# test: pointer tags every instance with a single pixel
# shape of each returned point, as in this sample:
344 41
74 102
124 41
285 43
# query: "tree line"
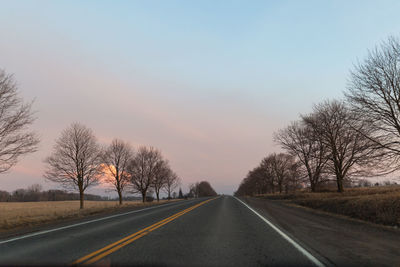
201 189
340 140
79 162
35 193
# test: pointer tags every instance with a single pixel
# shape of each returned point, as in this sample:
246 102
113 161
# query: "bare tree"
281 165
142 169
374 94
294 177
194 189
267 168
76 160
205 189
339 129
165 179
116 158
15 117
171 183
161 173
302 141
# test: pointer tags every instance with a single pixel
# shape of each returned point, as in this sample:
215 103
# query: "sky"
206 82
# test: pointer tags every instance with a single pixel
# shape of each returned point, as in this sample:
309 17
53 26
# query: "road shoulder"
342 241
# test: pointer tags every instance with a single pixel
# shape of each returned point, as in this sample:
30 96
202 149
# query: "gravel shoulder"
342 241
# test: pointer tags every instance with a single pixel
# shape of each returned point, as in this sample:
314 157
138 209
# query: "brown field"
375 204
15 215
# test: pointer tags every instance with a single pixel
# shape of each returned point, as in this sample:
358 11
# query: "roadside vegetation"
379 204
342 143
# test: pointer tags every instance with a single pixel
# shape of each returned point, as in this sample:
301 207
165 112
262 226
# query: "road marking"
83 223
107 250
291 241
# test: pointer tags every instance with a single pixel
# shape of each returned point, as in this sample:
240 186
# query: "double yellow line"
107 250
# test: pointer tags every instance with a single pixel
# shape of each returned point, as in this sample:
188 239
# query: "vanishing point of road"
221 231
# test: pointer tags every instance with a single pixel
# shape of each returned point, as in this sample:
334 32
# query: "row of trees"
342 139
275 173
35 193
201 189
79 162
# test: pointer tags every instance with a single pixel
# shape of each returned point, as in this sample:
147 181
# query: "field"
25 214
375 204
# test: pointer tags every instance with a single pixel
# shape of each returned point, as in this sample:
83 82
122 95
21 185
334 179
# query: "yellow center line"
120 241
101 253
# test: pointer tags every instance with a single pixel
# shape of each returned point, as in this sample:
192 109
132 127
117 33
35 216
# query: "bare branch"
15 118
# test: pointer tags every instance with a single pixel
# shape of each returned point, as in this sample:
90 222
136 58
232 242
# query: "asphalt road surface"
220 231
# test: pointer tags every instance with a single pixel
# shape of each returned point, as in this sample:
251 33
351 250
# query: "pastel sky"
207 82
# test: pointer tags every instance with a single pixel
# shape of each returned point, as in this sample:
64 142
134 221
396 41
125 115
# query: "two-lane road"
202 232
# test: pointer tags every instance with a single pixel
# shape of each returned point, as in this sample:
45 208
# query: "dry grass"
375 204
25 214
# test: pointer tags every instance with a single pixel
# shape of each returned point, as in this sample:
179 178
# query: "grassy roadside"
379 205
15 215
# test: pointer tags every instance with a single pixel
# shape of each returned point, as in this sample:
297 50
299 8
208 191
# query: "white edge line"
291 241
82 223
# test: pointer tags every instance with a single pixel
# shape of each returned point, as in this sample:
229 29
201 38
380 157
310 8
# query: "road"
220 231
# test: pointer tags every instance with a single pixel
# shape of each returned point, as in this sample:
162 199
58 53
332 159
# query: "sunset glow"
206 83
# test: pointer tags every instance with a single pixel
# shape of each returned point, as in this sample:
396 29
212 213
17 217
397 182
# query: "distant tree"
267 173
194 189
33 192
35 188
294 177
19 195
174 194
364 183
116 158
259 180
161 176
4 196
75 162
171 183
180 195
374 94
387 182
142 169
15 118
205 189
281 167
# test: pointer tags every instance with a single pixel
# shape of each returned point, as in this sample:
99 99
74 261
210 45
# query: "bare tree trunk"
339 181
144 196
120 196
158 196
81 198
313 187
